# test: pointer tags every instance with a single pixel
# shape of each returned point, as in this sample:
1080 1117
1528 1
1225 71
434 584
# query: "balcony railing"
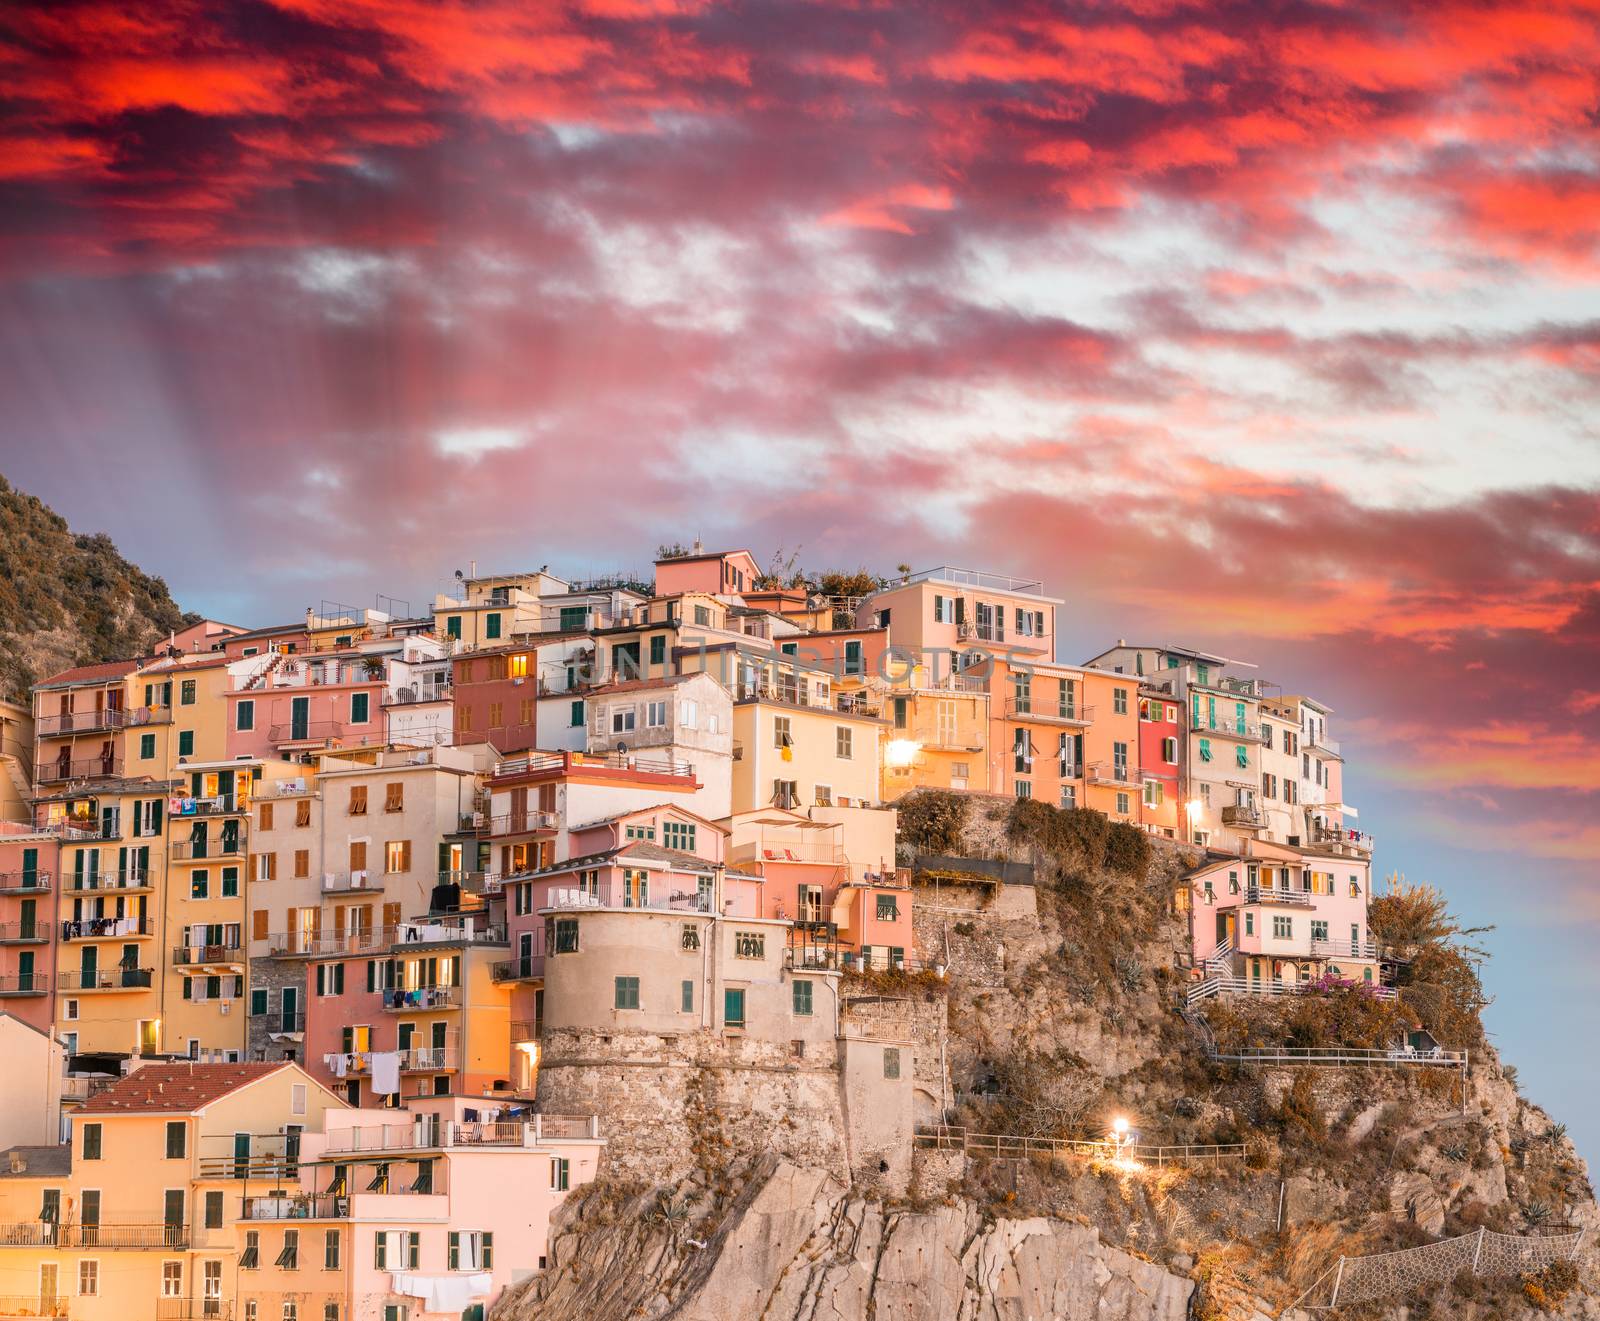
310 731
617 895
196 850
24 983
430 1059
189 955
296 1206
430 1133
1357 840
104 928
219 805
86 768
24 1307
1244 816
1105 772
24 933
1344 949
1226 728
362 940
25 882
522 823
1048 711
1267 894
528 763
527 968
45 1234
81 722
194 1309
104 979
89 829
342 882
415 936
423 997
134 878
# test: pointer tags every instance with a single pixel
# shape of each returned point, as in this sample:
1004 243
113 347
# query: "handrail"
1006 1146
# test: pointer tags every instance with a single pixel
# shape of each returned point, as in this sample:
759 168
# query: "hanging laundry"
386 1072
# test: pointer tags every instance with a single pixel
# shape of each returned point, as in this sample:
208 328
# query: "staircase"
259 678
1220 961
19 776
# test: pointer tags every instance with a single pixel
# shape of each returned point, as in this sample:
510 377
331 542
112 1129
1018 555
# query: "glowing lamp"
901 752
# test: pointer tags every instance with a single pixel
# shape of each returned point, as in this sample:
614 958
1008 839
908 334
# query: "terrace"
104 979
86 768
24 983
24 882
1055 713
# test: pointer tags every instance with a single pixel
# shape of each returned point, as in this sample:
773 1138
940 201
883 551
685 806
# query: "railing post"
1337 1280
1477 1251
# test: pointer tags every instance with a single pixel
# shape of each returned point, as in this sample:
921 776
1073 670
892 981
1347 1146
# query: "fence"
1339 1055
999 1146
1352 1280
1210 986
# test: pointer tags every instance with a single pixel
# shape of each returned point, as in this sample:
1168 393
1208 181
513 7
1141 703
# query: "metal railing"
194 1309
1106 772
104 979
523 969
86 830
565 761
618 895
25 882
187 955
197 850
1336 1055
135 878
362 940
1268 894
1359 840
46 1234
522 823
308 731
15 1307
994 582
218 805
104 928
24 983
1210 986
24 933
398 1000
87 768
1226 728
81 722
1005 1146
1051 712
1344 949
1242 814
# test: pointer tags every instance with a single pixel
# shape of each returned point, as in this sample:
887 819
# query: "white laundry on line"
386 1072
444 1293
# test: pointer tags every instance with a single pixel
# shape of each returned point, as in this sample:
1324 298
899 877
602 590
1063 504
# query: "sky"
1268 328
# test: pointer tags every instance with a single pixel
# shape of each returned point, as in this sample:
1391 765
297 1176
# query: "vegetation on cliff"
68 598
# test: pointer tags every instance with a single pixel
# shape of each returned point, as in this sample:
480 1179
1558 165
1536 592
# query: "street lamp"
1119 1136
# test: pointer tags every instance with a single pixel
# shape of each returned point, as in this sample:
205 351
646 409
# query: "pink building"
28 887
1161 809
280 704
416 1202
1277 915
721 573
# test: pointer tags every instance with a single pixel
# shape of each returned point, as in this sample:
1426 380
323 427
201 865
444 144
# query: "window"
266 866
853 662
655 715
1069 795
1152 793
330 1311
186 742
469 1250
330 1250
88 1278
843 742
291 1310
1242 756
1024 789
213 1210
686 988
1205 749
802 999
749 944
1021 751
394 797
397 856
358 800
172 1279
902 707
360 708
733 1007
678 835
1319 931
1119 701
622 719
887 909
330 979
302 812
823 793
781 736
289 1258
560 1173
1249 922
1282 927
943 611
250 1258
627 993
187 692
1122 804
147 746
1169 751
566 936
1119 761
491 625
177 1139
92 1149
891 1061
258 1001
575 717
785 793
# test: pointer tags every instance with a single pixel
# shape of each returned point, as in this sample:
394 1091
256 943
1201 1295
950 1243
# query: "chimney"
19 1163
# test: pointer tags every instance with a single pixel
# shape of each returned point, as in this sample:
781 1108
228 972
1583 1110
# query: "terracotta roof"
89 673
176 1088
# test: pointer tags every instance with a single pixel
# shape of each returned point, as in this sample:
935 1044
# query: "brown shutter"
358 855
316 921
391 916
258 924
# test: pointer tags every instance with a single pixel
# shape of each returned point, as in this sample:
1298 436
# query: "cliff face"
797 1245
68 599
1058 1011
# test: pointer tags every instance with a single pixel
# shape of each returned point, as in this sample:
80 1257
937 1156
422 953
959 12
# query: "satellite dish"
622 747
458 573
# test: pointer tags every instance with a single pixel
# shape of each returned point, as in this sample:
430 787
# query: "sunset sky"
1272 329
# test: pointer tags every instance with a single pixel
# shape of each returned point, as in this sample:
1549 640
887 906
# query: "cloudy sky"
1266 327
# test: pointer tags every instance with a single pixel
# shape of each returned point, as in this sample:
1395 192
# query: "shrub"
934 820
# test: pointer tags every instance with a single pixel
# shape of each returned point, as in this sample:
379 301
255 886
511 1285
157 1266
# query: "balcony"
29 1307
346 882
25 882
193 1309
401 1203
413 937
430 1059
219 805
1348 842
1110 773
1244 817
107 979
1257 894
309 731
209 850
88 830
44 1234
1049 712
81 722
104 928
86 768
1247 729
188 956
399 1001
535 762
618 896
528 968
269 1156
1344 949
107 882
523 823
23 983
309 944
428 1134
24 933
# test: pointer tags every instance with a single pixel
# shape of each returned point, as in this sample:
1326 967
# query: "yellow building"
136 1216
793 749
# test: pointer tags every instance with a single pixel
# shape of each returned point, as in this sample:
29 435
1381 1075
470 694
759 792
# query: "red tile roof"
90 673
176 1088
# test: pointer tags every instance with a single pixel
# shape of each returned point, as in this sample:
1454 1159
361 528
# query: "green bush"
934 820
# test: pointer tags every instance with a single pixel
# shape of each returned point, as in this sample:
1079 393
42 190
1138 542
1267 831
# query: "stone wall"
274 974
670 1103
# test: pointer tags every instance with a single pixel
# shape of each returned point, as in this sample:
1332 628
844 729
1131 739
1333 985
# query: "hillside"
1057 1009
67 598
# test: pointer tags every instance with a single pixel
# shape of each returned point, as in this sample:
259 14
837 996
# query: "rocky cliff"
1059 1007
